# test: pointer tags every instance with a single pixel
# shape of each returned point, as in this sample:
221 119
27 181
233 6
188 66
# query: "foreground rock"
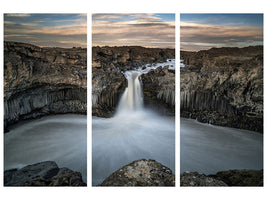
108 82
40 81
242 177
224 86
196 179
43 174
141 173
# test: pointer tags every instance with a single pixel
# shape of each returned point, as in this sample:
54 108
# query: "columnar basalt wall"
40 81
224 87
159 90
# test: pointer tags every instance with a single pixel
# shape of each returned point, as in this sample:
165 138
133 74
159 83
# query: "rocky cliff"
224 86
40 81
159 90
108 83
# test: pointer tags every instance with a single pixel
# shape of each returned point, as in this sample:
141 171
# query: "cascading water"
133 133
132 98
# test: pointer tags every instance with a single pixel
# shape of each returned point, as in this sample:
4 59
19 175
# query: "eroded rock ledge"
141 173
108 83
43 174
40 81
224 86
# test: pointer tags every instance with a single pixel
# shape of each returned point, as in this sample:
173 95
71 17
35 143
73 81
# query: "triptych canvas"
129 106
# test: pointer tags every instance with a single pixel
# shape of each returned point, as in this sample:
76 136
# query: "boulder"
243 177
42 174
141 173
196 179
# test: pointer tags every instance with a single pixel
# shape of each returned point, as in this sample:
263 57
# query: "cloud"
50 29
136 16
207 36
132 29
18 15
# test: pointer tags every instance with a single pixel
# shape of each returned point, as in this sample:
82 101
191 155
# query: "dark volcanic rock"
243 177
224 87
43 174
127 57
159 90
40 81
107 86
141 173
108 82
196 179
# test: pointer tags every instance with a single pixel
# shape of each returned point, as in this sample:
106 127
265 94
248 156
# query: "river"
59 138
208 149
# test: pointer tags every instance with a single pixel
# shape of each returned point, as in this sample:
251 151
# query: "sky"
204 31
147 30
47 30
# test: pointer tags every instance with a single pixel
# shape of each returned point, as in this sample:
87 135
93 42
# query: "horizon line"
220 48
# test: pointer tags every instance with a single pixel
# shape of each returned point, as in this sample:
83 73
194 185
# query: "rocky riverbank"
223 178
40 81
43 174
223 86
108 83
141 173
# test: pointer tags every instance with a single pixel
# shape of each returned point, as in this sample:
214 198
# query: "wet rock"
196 179
224 86
42 174
141 173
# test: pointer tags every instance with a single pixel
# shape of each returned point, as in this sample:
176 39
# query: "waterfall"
132 98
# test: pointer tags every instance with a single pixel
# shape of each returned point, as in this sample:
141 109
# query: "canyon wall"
108 82
40 81
223 86
159 90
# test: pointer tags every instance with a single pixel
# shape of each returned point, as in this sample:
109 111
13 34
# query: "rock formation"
196 179
141 173
159 90
224 86
241 177
40 81
42 174
244 177
108 83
